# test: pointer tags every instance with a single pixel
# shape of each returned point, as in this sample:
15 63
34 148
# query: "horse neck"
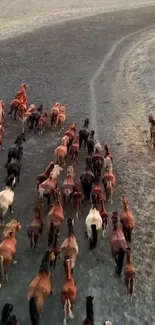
128 257
125 206
39 213
68 271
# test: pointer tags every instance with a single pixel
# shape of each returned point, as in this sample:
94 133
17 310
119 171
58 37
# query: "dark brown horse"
87 178
84 134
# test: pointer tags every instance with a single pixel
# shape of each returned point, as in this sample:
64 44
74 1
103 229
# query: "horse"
48 187
33 119
70 133
78 197
14 150
44 176
109 181
104 216
8 249
5 314
36 227
1 136
129 274
107 164
54 111
68 293
91 143
84 134
14 107
60 152
69 248
152 122
97 190
61 118
89 320
14 167
13 320
25 119
87 178
97 161
127 219
42 122
74 149
40 288
118 245
7 197
55 217
93 223
68 185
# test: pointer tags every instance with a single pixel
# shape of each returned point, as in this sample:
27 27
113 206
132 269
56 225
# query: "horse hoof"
14 262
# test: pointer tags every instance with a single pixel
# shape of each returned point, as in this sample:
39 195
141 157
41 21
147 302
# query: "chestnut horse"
48 187
36 227
89 311
78 197
55 217
54 111
127 219
40 288
60 152
118 245
68 293
69 248
97 190
61 118
74 149
68 185
70 133
129 274
108 181
44 176
8 249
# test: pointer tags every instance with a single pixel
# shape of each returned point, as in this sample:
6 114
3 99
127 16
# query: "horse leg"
15 113
10 208
6 277
85 143
80 142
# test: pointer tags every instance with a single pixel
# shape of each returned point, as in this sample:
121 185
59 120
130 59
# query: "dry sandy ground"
89 65
17 16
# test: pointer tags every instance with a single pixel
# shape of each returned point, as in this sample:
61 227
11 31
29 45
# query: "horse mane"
9 228
45 263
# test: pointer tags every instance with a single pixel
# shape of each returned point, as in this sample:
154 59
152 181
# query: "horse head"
86 122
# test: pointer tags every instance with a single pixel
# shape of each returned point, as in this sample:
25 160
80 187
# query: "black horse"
87 178
91 143
5 314
33 119
14 150
89 320
84 134
14 167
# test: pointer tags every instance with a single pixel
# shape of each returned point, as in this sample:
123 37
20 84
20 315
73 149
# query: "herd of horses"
95 187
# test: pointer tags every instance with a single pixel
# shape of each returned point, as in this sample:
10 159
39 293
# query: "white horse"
108 164
6 198
97 146
107 323
93 223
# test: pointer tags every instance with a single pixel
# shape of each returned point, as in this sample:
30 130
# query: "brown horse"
109 181
68 185
78 197
55 217
68 293
54 111
42 123
118 245
97 190
104 216
61 118
44 176
36 227
71 133
8 249
74 149
60 152
89 320
48 187
40 288
129 274
127 219
69 248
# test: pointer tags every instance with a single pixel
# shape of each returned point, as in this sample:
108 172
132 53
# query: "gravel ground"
87 65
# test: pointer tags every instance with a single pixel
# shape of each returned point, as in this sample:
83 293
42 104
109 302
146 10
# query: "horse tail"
120 260
2 276
51 234
93 241
41 192
33 311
